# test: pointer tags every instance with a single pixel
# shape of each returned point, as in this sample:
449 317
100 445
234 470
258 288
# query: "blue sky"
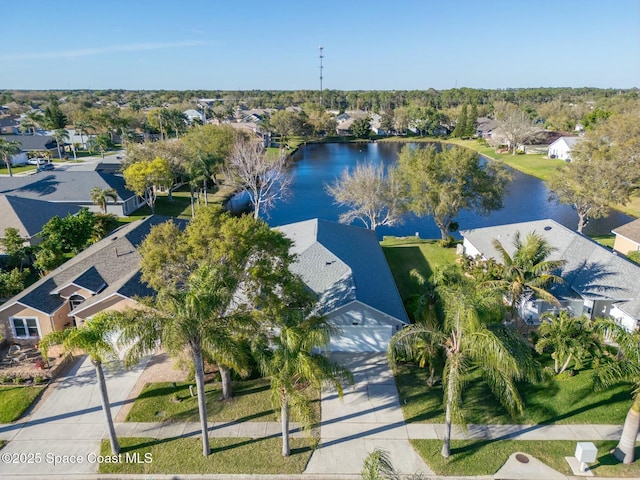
368 45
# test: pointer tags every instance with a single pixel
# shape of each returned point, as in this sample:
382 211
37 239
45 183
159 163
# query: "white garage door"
361 339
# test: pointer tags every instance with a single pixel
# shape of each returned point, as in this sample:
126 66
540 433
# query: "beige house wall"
61 318
17 310
624 245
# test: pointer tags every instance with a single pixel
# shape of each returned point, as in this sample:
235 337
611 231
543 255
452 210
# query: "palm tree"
291 364
527 272
189 318
36 119
570 338
60 136
100 197
470 344
8 150
83 127
623 365
102 143
26 125
94 339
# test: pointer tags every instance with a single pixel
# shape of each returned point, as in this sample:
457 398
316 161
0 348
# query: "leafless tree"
514 127
371 195
263 177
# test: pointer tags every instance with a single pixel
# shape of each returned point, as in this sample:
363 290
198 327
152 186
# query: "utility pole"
321 57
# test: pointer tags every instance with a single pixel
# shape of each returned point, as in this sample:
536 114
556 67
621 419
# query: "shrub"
5 379
19 380
39 380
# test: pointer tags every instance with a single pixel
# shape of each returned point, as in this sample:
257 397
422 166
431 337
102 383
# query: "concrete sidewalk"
517 432
216 429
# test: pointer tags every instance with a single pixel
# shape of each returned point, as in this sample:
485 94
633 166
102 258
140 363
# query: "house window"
25 327
75 300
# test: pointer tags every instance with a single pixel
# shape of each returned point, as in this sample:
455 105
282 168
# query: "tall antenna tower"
321 57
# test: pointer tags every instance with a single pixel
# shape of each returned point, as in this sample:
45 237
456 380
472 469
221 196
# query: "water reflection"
316 165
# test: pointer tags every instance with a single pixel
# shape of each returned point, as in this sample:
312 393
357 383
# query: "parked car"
36 161
46 166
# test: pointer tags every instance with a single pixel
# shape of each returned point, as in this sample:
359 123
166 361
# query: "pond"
316 165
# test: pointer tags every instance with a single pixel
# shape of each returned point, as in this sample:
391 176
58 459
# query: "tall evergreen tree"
472 120
461 123
54 118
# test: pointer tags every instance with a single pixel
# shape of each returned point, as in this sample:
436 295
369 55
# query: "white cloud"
87 52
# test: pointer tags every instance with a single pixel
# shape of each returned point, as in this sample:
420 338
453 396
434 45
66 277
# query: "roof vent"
547 228
330 263
114 238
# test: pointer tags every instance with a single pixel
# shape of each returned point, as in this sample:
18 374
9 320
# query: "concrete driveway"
367 417
64 434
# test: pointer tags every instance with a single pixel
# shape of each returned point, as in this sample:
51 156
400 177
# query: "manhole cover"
522 458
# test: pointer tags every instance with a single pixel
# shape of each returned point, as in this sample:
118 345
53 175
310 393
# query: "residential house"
627 237
193 114
106 276
208 102
597 281
562 148
28 216
254 130
85 140
43 145
9 126
485 127
346 119
72 188
344 266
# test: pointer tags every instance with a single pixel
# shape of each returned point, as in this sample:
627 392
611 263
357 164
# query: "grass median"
248 456
162 402
558 400
473 457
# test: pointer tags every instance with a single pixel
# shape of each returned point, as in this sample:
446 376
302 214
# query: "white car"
37 161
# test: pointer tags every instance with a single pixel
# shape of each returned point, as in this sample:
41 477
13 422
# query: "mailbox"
586 452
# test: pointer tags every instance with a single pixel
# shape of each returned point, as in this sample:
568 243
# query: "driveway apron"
367 417
63 436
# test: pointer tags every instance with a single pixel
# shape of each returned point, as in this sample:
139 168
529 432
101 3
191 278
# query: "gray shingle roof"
113 260
32 142
591 270
342 263
90 280
28 215
63 186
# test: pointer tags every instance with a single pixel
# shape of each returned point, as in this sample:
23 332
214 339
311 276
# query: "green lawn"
180 205
15 168
567 400
2 444
605 240
160 402
537 165
228 456
404 255
14 401
472 457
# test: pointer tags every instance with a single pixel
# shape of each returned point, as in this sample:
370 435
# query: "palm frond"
377 466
